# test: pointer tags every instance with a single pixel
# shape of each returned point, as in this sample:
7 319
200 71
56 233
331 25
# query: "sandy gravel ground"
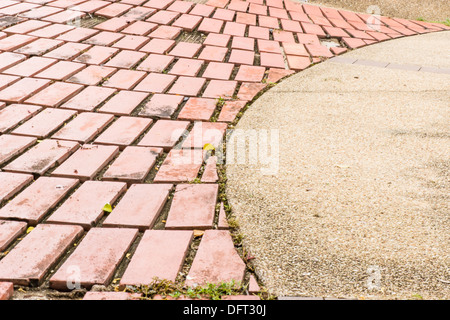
434 10
359 207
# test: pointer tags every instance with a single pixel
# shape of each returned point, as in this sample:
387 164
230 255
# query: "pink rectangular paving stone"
124 131
133 164
30 66
166 32
84 127
220 89
164 134
15 41
140 207
92 75
230 110
186 67
161 106
86 162
22 89
198 109
160 46
180 165
61 70
156 83
11 146
205 133
67 51
216 260
113 10
97 257
38 199
140 28
9 231
39 47
131 42
89 98
218 70
42 157
11 184
26 26
96 55
124 79
14 114
160 254
55 94
155 63
9 59
126 59
85 206
65 16
124 102
5 81
193 207
33 257
44 123
187 86
77 34
51 31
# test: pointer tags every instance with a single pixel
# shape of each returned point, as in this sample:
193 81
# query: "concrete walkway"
359 206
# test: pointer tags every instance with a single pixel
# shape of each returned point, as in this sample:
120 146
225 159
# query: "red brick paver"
137 209
193 207
33 257
208 266
160 254
85 206
95 258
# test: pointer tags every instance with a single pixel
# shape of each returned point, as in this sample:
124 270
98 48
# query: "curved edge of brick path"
275 209
303 26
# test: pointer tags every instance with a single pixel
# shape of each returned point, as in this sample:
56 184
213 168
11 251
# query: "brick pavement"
95 114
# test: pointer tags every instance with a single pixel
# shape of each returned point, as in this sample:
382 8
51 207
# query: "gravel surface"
359 207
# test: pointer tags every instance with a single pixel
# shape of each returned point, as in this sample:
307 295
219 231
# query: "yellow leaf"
198 233
208 147
107 208
30 229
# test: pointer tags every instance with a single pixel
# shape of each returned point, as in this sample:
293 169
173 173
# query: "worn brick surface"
84 127
193 207
164 134
86 162
44 123
133 164
12 145
43 156
14 114
136 209
85 206
12 183
89 98
180 165
38 199
216 260
160 254
96 258
6 290
33 257
123 103
124 131
10 230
